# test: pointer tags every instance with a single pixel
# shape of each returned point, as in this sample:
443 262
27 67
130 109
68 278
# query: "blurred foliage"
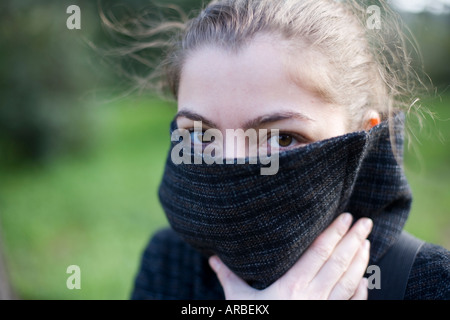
48 74
43 73
432 33
95 210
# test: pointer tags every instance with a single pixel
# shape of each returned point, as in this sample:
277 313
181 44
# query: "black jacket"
172 270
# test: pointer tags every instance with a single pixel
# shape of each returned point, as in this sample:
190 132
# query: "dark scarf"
260 225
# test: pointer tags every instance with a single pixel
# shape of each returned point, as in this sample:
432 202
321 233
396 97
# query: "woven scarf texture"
260 225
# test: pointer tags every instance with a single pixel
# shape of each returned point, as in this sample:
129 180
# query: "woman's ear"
371 119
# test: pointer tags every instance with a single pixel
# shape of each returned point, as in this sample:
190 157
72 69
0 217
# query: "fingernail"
346 218
368 223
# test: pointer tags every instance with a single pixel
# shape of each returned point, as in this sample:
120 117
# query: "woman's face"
253 89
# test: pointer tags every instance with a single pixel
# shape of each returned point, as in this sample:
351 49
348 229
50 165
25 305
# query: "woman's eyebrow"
254 123
196 117
273 117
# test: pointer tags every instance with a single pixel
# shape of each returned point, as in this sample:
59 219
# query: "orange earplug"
374 122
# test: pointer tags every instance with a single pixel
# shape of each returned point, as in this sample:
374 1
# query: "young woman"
334 89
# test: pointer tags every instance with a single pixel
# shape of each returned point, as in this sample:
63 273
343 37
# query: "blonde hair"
345 63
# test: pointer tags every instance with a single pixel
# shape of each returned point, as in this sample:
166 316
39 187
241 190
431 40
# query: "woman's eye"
197 137
282 141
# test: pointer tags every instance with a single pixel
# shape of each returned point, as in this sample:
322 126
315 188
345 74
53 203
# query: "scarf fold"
260 225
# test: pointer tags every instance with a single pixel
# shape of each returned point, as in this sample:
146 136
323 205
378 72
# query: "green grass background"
99 209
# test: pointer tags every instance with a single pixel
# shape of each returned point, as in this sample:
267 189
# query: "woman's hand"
332 268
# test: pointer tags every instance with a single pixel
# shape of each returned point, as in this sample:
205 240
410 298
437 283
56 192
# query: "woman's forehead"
232 89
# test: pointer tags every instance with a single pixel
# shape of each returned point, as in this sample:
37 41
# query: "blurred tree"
432 32
40 82
46 71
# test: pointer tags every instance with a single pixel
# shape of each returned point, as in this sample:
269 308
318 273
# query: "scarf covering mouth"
260 225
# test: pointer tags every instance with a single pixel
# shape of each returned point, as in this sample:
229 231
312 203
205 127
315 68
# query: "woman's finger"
343 255
233 286
306 268
362 293
350 281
